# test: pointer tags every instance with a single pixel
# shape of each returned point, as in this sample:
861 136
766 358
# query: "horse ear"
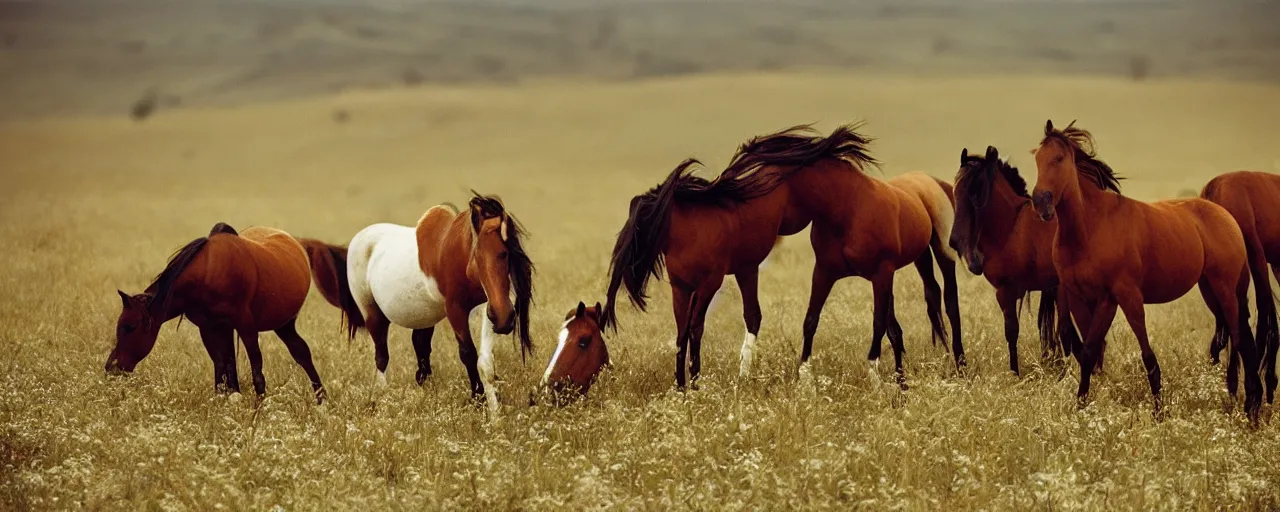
992 153
124 298
1048 127
964 155
582 310
475 215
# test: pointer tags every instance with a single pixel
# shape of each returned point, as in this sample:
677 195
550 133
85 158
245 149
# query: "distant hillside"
68 58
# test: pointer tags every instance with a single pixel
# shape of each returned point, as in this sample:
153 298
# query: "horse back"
261 276
1253 199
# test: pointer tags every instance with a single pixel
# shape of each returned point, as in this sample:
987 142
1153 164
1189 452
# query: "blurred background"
70 57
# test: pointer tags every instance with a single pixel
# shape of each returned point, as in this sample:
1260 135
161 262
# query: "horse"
1253 199
580 354
1005 242
225 283
702 230
1113 251
449 264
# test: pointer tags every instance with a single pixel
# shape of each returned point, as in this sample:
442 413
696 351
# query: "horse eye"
502 255
126 329
584 341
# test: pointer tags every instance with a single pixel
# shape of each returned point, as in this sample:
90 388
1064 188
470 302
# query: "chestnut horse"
1253 199
580 354
1112 251
1003 240
227 283
414 277
776 185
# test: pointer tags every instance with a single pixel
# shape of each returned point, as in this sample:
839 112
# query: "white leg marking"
806 375
382 379
748 349
485 363
564 337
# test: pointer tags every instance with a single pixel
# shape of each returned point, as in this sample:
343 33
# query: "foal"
227 283
580 354
1005 241
1111 251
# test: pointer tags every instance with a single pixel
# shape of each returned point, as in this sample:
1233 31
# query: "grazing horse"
414 277
1112 251
227 283
1253 199
776 185
1004 241
580 354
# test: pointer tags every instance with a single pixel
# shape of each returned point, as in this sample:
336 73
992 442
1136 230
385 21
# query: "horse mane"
797 147
988 166
1081 142
519 267
161 287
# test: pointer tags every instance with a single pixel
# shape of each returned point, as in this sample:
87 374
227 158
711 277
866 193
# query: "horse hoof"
422 377
321 394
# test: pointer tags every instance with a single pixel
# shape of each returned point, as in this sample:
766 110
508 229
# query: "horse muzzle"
502 326
1044 205
113 368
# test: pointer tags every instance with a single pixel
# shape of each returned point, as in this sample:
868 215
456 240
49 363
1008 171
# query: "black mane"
1081 142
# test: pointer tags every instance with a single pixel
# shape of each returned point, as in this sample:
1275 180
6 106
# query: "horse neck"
178 300
999 217
827 186
1077 211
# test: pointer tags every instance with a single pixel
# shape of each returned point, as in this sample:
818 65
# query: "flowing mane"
519 266
1081 142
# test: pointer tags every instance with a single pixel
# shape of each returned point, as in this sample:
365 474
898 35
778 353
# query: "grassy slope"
93 204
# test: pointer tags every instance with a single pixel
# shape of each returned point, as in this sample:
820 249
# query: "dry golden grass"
94 204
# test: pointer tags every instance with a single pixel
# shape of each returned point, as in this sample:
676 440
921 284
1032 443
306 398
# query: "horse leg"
882 291
682 305
1067 333
485 363
251 349
422 347
377 324
1270 340
1050 346
1221 335
1104 312
696 325
951 296
459 320
302 355
895 340
1235 309
1007 298
932 297
818 293
1130 301
215 345
748 284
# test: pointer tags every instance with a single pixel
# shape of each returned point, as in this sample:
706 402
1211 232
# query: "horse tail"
1046 319
329 270
637 254
941 204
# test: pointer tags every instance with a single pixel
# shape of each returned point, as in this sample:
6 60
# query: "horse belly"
405 295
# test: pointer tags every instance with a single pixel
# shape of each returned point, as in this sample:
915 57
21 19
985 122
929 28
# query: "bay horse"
1112 251
1253 199
1004 241
581 352
226 283
449 264
776 185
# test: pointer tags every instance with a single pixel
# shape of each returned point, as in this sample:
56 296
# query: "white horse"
447 266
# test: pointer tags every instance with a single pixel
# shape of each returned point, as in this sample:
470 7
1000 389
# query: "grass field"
92 204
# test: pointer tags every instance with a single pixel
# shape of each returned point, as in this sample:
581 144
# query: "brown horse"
1003 240
1112 251
449 264
776 185
581 353
1253 199
226 283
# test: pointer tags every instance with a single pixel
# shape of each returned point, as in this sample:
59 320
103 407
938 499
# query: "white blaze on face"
564 338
